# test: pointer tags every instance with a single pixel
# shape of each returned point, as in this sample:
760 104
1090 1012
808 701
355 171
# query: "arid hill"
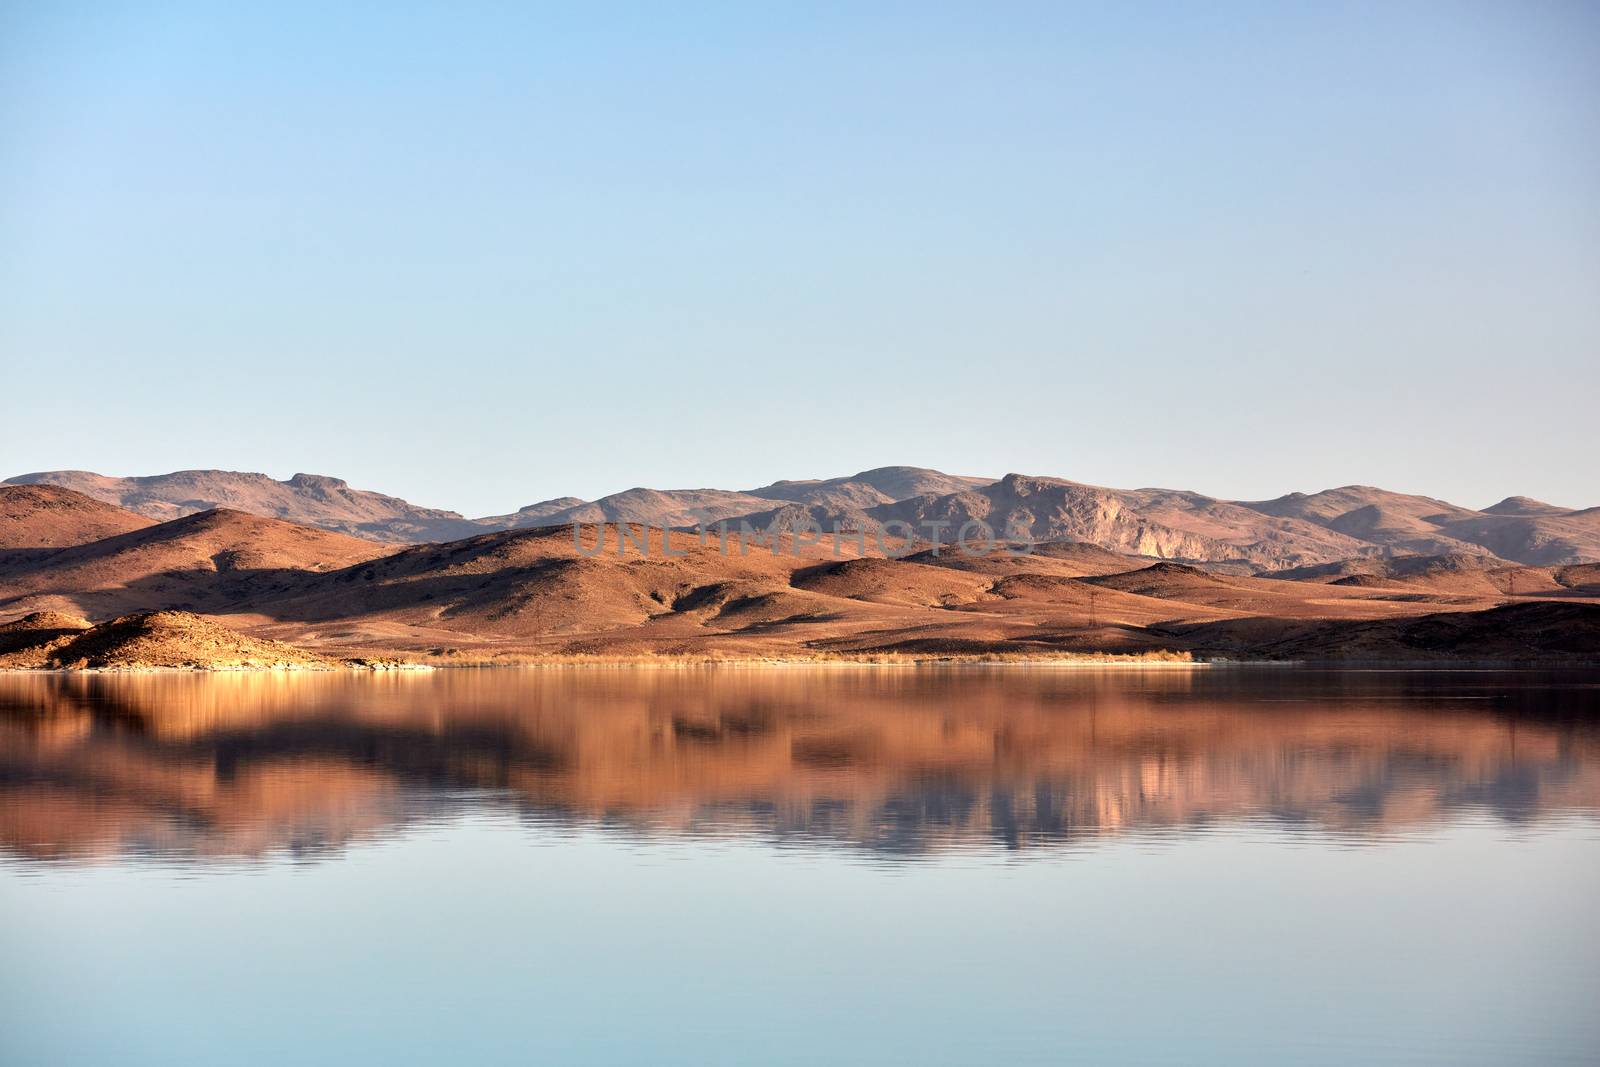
1468 575
29 641
208 561
1524 505
537 592
540 586
1191 585
1145 572
689 507
1517 529
1062 559
533 514
881 485
1149 522
309 499
1399 568
654 507
50 517
677 508
890 581
1523 632
1296 530
164 639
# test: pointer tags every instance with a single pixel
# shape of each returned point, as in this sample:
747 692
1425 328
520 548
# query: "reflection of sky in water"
739 867
476 939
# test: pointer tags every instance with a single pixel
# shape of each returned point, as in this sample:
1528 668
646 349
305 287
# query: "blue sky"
482 254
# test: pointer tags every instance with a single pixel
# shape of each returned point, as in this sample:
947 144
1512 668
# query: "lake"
963 865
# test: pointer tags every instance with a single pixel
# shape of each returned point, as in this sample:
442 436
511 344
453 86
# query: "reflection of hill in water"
897 761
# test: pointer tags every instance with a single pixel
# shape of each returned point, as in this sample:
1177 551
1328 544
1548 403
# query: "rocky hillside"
1292 531
157 640
1517 528
308 499
1149 522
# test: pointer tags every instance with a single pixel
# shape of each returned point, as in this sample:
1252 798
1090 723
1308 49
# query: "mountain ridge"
1293 530
556 590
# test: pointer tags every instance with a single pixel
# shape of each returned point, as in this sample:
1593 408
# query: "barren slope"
1517 529
50 517
1533 631
1289 531
1159 523
537 591
311 499
165 639
660 508
881 485
206 560
1456 574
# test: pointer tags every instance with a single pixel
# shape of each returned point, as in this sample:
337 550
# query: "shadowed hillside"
156 640
209 560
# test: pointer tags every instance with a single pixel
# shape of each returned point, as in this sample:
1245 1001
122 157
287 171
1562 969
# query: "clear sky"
481 254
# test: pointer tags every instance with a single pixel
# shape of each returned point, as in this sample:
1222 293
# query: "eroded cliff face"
1047 509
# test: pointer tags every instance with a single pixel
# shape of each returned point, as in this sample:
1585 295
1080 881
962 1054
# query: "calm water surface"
959 865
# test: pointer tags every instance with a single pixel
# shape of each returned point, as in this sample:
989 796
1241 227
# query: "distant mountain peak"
308 499
1525 505
317 481
1297 529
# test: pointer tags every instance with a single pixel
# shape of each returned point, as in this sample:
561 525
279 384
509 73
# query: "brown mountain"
310 499
162 639
50 517
881 485
1391 568
537 592
1456 574
1512 632
1167 524
1291 531
678 508
1573 537
538 585
1295 530
1517 528
1524 505
208 560
533 514
661 508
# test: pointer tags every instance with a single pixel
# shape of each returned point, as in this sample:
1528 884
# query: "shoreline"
759 663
